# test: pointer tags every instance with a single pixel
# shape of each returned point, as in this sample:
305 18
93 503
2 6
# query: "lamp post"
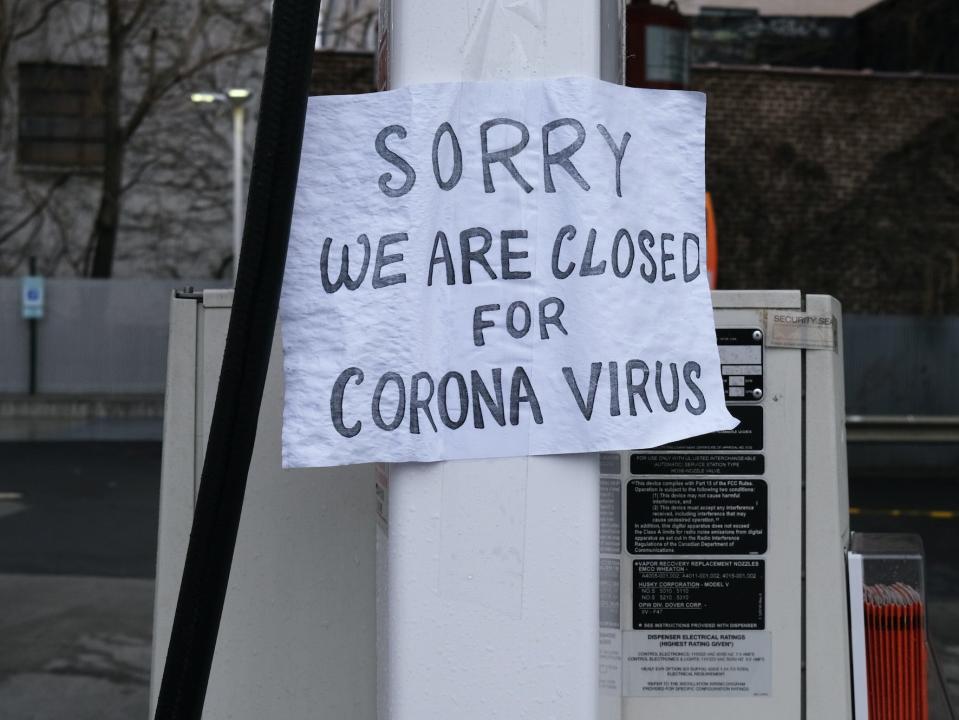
237 98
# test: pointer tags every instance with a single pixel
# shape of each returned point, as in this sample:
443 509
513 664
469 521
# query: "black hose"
276 159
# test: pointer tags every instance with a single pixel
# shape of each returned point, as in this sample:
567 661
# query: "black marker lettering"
477 256
400 402
416 404
506 255
674 373
394 159
382 260
464 407
440 242
336 402
618 152
344 276
632 389
585 406
521 390
496 407
562 157
566 232
503 156
457 172
689 369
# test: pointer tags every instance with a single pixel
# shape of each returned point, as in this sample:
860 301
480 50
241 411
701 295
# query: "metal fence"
110 337
96 336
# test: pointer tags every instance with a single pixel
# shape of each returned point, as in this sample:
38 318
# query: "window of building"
61 115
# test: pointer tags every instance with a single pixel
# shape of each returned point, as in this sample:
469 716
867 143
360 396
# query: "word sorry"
488 158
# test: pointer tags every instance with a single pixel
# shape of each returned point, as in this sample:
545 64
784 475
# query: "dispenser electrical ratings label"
719 663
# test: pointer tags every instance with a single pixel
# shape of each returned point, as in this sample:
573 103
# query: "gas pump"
702 578
722 577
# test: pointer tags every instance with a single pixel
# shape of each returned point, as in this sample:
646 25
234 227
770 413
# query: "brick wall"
342 73
842 183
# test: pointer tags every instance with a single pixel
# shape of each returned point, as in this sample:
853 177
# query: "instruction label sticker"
699 594
610 662
610 515
700 664
807 331
741 362
696 516
697 464
748 435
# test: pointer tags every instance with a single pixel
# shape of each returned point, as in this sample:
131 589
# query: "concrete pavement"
78 523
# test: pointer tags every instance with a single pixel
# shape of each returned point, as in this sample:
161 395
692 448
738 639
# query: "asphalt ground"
78 526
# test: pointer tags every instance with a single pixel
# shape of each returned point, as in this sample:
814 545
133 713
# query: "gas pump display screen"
696 516
699 594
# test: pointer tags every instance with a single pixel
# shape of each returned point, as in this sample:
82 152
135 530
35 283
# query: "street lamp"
237 98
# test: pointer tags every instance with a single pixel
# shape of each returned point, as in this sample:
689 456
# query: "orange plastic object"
712 244
896 673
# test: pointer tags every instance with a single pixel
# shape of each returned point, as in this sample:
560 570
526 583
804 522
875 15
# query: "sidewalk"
81 417
75 647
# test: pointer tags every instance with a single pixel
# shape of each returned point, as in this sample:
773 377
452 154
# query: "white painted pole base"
489 578
492 590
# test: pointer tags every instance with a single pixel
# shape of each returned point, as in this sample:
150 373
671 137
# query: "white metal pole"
238 111
489 578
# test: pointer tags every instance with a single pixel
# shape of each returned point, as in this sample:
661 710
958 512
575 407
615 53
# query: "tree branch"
36 210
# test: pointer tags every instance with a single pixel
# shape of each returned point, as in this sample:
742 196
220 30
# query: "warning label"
697 464
696 516
703 664
610 662
748 435
699 594
610 514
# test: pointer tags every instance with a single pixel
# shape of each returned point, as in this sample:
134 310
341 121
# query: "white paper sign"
498 269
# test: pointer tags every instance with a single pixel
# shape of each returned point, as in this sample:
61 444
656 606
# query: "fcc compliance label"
696 516
699 594
697 664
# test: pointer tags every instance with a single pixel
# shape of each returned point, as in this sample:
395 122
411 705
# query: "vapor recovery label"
699 594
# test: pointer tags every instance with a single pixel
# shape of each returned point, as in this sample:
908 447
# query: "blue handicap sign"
32 297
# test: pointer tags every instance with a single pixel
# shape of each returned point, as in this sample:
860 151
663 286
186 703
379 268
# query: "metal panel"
782 408
828 680
176 472
297 637
782 299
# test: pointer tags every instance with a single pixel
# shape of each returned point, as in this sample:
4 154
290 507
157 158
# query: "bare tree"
153 54
186 56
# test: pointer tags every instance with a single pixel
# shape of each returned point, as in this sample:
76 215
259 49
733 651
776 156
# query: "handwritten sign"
498 269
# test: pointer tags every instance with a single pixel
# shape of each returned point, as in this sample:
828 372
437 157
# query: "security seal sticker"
807 331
